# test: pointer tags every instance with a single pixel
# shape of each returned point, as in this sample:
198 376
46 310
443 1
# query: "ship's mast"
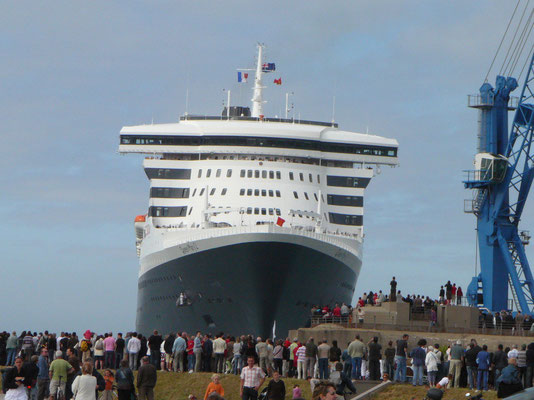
257 98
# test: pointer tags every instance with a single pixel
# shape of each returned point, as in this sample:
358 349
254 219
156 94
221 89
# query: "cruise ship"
251 220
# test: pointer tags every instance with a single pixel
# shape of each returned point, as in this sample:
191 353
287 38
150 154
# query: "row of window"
299 144
166 192
347 181
341 200
345 219
257 192
154 211
264 174
167 173
263 211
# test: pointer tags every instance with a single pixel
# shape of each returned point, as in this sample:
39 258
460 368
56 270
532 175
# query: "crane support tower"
501 180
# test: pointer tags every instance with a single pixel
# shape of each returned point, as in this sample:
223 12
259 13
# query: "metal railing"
477 101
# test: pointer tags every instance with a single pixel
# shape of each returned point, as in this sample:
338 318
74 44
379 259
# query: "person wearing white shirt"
219 346
134 345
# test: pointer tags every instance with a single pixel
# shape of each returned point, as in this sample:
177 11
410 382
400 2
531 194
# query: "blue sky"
73 73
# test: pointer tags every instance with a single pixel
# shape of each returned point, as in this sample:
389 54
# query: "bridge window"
161 173
340 200
345 219
167 211
347 181
165 192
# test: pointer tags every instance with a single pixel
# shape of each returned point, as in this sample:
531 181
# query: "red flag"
280 221
278 81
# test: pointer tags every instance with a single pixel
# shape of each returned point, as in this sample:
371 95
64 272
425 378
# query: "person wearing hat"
455 368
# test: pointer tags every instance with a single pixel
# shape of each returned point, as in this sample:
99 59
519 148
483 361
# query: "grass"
408 392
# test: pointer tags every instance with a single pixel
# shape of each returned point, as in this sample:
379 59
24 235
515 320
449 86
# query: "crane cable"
520 45
502 40
507 59
527 62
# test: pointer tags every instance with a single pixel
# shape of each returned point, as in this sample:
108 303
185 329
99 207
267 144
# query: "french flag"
242 77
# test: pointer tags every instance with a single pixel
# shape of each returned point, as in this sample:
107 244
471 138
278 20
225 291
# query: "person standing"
109 347
125 381
375 355
311 356
11 348
393 290
471 365
278 356
43 380
418 356
154 344
167 346
530 365
147 377
522 362
58 371
178 349
459 294
134 345
119 350
389 354
500 360
276 390
322 353
455 366
483 363
219 347
400 359
448 292
432 361
300 356
252 377
197 351
356 351
84 386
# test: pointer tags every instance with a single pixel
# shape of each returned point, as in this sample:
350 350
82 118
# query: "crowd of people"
48 363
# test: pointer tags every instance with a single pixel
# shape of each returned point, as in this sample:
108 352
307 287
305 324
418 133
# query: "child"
214 386
109 379
297 393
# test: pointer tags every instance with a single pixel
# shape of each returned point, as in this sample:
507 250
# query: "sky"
73 73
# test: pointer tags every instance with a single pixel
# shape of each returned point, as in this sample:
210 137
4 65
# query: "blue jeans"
11 353
356 367
417 375
191 359
347 367
390 369
471 376
236 368
482 381
400 371
109 359
323 368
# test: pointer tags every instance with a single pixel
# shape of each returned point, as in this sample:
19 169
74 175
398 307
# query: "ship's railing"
190 235
238 118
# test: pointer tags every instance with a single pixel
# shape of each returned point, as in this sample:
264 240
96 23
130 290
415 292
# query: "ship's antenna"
333 109
187 101
257 98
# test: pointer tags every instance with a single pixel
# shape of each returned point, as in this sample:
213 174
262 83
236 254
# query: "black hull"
241 289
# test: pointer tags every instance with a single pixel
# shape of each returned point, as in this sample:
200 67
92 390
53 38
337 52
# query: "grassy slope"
407 392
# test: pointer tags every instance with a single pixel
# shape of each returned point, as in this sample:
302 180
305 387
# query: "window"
167 211
345 219
256 174
212 192
271 211
296 195
218 174
322 197
256 192
315 195
201 192
306 195
242 192
264 174
340 200
310 176
256 211
278 193
161 173
229 173
301 176
223 192
194 191
208 174
278 212
271 193
242 174
249 192
200 173
278 175
347 181
249 173
291 176
264 193
164 192
191 209
249 210
263 211
271 174
318 178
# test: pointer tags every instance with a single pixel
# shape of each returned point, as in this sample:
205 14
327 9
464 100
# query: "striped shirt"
301 353
252 376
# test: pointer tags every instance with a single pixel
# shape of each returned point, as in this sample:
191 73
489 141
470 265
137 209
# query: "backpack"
84 346
99 345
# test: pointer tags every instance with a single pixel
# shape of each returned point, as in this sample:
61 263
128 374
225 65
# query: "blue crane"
501 180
